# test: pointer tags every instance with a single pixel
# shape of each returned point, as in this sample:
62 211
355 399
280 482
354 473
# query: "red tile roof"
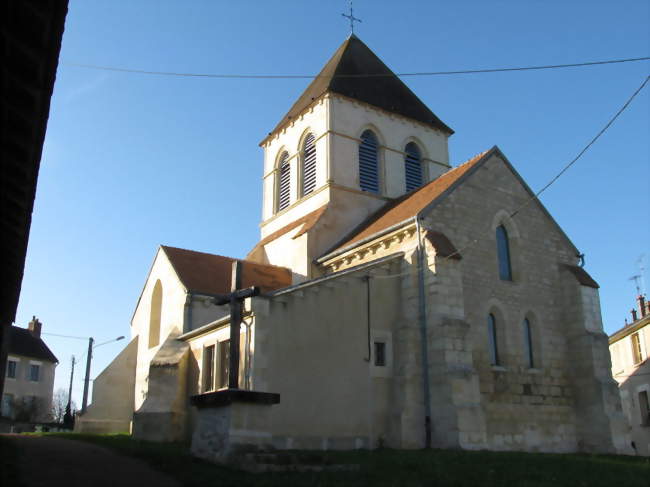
208 273
307 222
582 276
407 206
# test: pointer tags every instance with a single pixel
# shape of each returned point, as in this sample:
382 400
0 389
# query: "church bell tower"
356 139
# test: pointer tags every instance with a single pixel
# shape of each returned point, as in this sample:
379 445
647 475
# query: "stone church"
393 300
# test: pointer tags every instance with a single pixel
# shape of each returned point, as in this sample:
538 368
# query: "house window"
12 368
309 165
528 344
413 166
34 372
7 405
380 354
492 340
503 252
644 408
284 187
224 364
636 349
208 368
368 163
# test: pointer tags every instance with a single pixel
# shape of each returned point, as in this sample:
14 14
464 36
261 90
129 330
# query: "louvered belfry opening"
284 188
309 165
368 163
413 166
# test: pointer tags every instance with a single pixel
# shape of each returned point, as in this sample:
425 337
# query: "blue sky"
132 161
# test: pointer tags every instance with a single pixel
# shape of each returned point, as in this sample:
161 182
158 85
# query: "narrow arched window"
528 344
368 163
492 340
284 186
413 166
503 252
154 315
309 165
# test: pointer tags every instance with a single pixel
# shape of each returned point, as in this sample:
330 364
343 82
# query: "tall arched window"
503 252
284 186
413 166
368 163
309 165
528 344
154 316
492 340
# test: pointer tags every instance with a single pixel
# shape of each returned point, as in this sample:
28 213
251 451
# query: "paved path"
48 461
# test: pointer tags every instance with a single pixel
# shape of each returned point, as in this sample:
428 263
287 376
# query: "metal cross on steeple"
352 18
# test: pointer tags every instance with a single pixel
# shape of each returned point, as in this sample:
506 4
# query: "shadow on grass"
397 467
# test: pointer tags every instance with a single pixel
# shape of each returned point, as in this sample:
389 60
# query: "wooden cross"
352 18
236 301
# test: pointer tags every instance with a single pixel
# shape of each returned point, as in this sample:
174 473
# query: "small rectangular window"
12 365
34 372
208 368
380 354
636 348
224 363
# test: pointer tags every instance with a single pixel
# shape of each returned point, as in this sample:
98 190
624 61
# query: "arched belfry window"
528 344
503 253
413 166
284 186
492 339
155 313
368 163
309 165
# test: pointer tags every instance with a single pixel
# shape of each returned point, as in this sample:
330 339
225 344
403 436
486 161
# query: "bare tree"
59 405
59 402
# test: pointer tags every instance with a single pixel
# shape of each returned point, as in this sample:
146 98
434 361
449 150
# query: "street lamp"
91 340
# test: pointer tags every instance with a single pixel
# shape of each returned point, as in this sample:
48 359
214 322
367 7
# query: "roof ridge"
221 256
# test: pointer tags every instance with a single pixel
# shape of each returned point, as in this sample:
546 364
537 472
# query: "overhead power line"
591 142
309 76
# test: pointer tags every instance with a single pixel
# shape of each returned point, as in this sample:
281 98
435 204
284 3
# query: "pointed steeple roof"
356 72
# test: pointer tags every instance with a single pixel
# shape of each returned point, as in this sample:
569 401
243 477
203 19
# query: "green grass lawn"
398 467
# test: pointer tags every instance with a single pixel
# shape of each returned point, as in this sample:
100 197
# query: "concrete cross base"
230 423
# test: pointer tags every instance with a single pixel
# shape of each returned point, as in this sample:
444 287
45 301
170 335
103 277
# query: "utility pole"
87 379
67 417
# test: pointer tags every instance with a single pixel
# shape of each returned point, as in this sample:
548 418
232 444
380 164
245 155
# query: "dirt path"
47 461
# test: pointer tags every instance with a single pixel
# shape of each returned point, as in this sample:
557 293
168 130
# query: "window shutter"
309 165
284 193
368 178
413 167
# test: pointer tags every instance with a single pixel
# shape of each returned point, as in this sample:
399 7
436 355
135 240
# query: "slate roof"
408 205
211 274
356 72
22 342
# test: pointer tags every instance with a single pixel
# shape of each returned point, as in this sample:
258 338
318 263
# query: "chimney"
35 327
641 305
634 317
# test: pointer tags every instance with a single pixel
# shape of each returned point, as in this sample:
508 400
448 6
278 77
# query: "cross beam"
352 18
236 301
